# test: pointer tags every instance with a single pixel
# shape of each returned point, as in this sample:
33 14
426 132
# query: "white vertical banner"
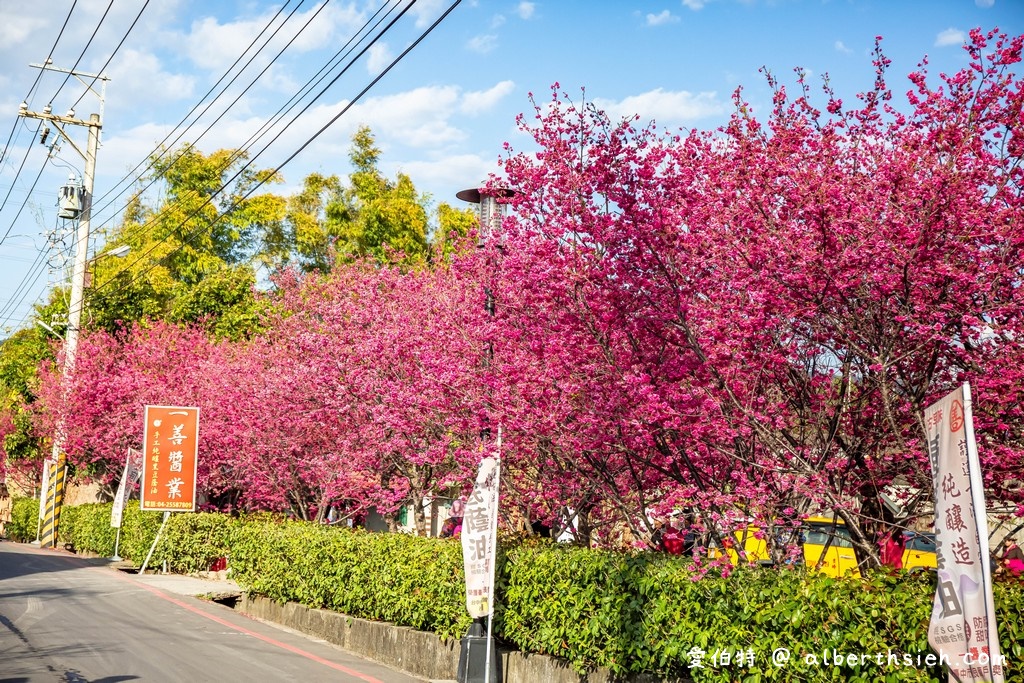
131 474
963 629
479 539
44 490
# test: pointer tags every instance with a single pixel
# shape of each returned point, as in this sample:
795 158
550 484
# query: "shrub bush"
648 612
24 520
416 582
86 528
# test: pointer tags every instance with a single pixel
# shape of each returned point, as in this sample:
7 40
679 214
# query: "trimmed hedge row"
629 612
189 543
24 519
646 612
410 581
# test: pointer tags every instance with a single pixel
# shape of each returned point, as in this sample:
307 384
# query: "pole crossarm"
56 120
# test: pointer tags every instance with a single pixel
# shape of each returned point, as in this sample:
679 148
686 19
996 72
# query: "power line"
35 83
284 109
103 68
316 135
21 167
148 160
84 50
37 267
31 278
25 282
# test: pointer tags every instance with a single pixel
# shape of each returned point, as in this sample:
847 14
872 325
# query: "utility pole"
55 492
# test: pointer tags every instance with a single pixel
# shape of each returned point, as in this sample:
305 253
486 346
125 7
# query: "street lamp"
477 660
118 252
491 211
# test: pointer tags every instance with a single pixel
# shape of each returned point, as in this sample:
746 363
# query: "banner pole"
167 515
117 546
494 562
980 518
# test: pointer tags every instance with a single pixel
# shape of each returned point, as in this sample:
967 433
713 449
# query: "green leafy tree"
379 217
307 235
452 226
224 303
192 253
20 356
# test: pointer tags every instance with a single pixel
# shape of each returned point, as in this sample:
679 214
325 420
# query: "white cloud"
211 44
481 101
324 29
380 57
665 17
15 29
140 75
456 172
482 44
694 4
665 106
417 118
426 11
525 10
984 3
840 47
951 36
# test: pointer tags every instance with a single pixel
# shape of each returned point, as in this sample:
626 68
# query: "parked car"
840 557
919 550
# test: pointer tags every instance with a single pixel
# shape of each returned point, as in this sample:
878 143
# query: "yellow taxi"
748 542
748 545
840 557
919 551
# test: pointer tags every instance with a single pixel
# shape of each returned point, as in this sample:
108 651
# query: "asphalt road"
68 619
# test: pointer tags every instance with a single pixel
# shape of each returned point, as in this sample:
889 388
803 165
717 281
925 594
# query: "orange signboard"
170 443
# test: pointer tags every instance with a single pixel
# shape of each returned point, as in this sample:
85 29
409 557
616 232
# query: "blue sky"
441 114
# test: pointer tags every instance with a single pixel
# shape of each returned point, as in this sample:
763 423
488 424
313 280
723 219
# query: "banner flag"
963 629
131 474
44 487
170 443
479 539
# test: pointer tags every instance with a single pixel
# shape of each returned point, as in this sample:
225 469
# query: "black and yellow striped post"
54 501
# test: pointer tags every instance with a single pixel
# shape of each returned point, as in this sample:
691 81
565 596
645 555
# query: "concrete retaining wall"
415 652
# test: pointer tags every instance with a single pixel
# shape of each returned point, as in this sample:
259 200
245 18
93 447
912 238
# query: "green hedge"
410 581
24 520
189 543
629 612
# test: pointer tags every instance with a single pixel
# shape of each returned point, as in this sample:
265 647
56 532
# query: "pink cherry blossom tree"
754 318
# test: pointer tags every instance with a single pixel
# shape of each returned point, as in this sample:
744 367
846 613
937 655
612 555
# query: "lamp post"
477 660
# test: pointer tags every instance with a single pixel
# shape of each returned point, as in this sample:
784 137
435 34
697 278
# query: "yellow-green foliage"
24 520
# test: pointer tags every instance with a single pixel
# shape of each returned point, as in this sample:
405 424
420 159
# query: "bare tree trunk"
418 517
